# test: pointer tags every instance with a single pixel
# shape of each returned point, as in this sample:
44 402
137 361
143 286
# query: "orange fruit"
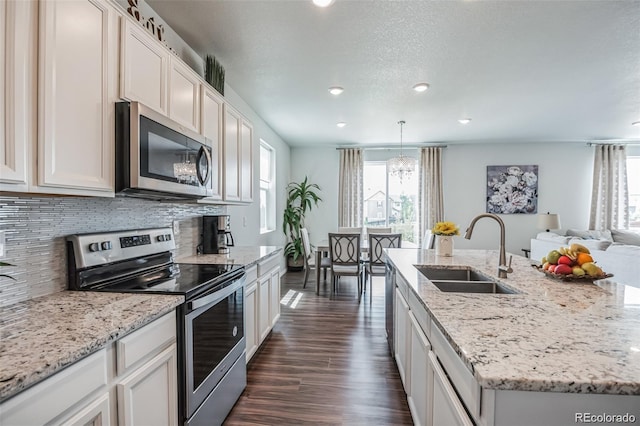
584 258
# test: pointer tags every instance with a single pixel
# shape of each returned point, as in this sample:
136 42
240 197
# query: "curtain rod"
387 147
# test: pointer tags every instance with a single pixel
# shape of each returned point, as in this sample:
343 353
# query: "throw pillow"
626 237
591 244
590 234
625 249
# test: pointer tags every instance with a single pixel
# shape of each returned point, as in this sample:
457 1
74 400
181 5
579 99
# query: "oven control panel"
101 248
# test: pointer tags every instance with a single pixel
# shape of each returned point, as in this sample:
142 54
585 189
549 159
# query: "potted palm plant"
302 196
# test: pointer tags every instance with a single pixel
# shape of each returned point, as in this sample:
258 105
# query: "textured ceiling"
522 70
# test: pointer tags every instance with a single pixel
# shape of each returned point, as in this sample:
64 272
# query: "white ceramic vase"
444 245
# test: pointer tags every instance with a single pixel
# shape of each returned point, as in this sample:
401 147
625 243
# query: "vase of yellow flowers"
444 232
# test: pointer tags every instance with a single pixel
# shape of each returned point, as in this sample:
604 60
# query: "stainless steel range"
211 342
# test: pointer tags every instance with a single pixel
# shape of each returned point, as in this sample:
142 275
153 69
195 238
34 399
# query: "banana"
579 248
562 250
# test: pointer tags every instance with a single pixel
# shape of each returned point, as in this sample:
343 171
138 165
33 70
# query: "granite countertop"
240 255
553 336
42 336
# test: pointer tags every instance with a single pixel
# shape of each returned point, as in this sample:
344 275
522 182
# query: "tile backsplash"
36 227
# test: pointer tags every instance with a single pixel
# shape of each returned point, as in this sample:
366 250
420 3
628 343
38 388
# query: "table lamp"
548 221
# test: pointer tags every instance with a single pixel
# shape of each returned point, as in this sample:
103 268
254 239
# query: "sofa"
616 251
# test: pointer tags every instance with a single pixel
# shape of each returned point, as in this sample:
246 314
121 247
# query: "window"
633 179
267 188
389 202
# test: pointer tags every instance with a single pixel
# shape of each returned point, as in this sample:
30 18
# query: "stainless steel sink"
463 281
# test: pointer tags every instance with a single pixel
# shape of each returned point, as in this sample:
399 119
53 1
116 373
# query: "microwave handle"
203 179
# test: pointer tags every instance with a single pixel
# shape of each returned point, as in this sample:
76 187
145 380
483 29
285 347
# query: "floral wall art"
512 189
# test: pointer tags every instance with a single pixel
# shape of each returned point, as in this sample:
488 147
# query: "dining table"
322 248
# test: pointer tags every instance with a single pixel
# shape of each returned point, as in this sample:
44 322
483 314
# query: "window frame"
266 189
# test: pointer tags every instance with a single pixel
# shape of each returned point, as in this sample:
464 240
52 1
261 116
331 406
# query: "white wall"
565 173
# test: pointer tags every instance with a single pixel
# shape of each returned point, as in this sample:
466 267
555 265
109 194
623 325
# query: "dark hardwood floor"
325 363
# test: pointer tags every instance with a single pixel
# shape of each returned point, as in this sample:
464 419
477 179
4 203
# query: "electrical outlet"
2 244
176 227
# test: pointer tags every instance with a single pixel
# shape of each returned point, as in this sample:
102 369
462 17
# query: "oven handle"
216 296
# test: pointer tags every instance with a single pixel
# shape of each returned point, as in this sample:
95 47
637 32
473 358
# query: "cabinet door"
447 408
17 68
250 325
419 394
184 96
95 413
149 395
402 338
143 68
274 296
246 162
77 71
264 323
211 121
232 128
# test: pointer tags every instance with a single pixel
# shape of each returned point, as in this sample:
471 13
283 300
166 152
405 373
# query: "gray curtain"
430 192
610 192
350 190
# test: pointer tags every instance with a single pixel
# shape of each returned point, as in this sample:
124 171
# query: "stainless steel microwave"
158 158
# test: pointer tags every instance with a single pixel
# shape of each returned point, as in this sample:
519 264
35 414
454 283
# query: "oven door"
214 340
164 156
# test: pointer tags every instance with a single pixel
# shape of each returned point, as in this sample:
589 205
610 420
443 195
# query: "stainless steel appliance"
158 158
216 234
211 342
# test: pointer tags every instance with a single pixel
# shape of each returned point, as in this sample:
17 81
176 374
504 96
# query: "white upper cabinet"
144 67
184 95
211 120
77 79
17 70
246 162
232 126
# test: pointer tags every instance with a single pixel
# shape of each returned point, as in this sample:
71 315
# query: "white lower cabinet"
402 339
274 296
251 333
447 408
264 324
420 389
85 392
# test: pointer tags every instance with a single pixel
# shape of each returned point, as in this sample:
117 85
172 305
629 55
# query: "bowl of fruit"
571 264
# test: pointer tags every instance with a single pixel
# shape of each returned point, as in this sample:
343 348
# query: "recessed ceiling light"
420 87
341 124
636 123
464 121
323 3
336 90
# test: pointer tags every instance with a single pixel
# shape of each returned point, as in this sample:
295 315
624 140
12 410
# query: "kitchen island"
548 352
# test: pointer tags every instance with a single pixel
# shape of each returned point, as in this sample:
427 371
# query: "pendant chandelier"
401 166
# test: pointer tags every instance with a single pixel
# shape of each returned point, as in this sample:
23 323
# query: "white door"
447 408
232 125
96 413
149 395
419 394
402 338
211 122
246 162
77 81
144 67
250 325
264 323
274 299
184 95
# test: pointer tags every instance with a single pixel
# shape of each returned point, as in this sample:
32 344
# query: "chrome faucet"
503 268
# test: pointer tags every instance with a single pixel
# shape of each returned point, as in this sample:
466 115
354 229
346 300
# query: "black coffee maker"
216 234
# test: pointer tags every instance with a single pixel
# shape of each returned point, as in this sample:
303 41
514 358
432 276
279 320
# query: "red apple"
565 260
563 269
552 268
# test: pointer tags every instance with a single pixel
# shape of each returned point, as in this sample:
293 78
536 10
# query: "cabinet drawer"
459 374
144 343
251 274
402 285
447 408
267 265
47 400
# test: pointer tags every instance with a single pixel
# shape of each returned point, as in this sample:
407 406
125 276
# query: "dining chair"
344 253
375 265
378 230
428 240
310 259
